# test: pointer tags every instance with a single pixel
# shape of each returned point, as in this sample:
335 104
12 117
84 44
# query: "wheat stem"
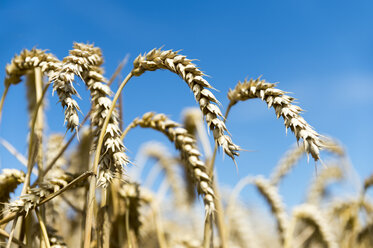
3 99
92 185
43 228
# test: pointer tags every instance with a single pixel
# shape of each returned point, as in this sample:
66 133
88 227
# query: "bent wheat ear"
9 180
270 193
179 64
28 60
29 201
311 214
84 61
189 152
283 107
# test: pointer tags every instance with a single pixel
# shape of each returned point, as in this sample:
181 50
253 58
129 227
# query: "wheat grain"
283 107
179 64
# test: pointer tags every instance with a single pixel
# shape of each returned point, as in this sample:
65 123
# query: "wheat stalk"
283 106
179 64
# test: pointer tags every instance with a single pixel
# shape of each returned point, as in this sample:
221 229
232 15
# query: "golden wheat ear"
179 64
189 152
283 106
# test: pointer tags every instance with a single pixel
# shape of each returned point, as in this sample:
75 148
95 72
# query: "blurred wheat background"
320 52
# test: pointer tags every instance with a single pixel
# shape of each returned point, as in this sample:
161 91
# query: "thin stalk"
14 240
207 234
11 234
127 220
43 228
3 98
118 69
92 185
63 149
159 227
39 125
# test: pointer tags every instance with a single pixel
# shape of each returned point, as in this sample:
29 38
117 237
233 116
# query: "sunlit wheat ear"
29 201
317 188
312 215
85 61
179 64
9 180
189 152
274 200
283 106
28 60
168 164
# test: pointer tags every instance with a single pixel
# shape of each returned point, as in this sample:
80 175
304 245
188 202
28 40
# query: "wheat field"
81 189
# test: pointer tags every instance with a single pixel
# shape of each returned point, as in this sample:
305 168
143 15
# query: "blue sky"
321 51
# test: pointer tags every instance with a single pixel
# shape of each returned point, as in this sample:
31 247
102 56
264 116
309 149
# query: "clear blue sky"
321 51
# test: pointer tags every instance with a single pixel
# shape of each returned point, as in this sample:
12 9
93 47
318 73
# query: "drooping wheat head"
179 64
189 152
283 106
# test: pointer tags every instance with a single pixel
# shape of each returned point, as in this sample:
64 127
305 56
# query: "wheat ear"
9 180
189 152
34 196
112 156
311 214
179 64
273 198
283 106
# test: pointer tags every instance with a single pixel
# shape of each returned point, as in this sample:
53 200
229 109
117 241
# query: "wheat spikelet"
270 193
317 188
9 180
283 107
179 64
311 214
189 152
